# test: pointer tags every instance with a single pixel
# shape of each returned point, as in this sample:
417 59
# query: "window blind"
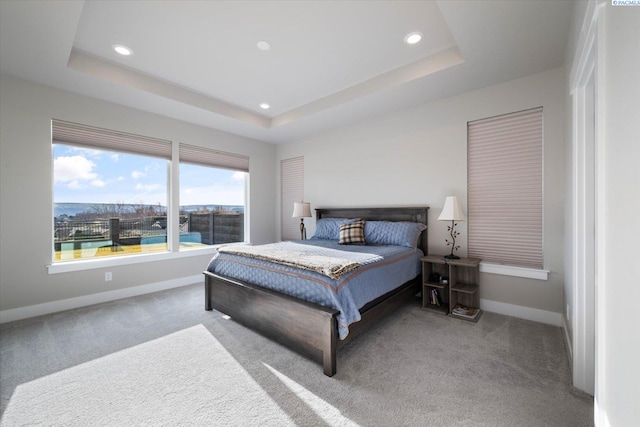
505 198
292 190
210 157
90 136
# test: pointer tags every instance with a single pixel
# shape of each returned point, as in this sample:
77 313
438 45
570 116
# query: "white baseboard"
527 313
567 340
20 313
83 301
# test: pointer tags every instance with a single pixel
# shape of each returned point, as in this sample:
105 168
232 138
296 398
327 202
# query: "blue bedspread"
382 269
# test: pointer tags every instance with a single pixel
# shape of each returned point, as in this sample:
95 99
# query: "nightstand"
450 283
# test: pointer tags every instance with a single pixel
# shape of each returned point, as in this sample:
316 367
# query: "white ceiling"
331 63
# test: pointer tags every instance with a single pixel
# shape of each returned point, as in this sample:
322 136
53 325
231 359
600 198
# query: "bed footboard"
307 328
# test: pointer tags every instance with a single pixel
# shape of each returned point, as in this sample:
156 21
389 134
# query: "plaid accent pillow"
352 233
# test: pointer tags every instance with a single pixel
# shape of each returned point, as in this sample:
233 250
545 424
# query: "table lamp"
452 212
302 210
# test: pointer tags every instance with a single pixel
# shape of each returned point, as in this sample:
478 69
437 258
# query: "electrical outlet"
108 276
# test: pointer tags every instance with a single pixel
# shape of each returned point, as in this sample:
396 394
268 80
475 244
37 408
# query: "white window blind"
209 157
90 136
292 190
505 199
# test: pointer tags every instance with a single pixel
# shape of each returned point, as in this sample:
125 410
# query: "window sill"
509 270
88 264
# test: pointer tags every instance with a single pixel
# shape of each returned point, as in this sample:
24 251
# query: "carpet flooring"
161 359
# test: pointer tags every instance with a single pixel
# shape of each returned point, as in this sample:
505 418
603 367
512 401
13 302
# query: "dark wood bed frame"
305 327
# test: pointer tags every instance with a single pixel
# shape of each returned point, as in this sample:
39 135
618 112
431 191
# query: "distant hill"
193 208
72 209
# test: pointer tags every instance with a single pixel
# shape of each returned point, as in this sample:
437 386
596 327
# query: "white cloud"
137 174
75 185
73 168
98 183
217 194
148 187
239 176
121 178
87 152
115 157
151 167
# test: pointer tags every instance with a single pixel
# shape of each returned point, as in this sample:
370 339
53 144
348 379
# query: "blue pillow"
329 228
393 233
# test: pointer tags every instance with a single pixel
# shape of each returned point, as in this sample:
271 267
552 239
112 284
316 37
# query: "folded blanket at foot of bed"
331 267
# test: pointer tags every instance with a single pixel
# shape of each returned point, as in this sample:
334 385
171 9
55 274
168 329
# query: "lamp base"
303 230
452 256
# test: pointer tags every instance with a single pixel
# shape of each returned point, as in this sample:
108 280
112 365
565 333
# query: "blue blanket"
381 269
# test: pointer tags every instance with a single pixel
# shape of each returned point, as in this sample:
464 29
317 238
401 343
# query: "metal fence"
212 227
102 229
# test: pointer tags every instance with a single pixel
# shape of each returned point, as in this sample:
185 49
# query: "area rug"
186 378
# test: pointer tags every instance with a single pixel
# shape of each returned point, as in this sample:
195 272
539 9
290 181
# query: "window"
212 196
107 203
505 198
291 190
111 194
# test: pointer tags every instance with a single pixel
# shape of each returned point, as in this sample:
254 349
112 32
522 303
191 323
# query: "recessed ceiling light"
122 50
413 38
264 106
263 45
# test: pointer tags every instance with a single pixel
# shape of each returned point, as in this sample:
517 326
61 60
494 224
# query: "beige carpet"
186 378
161 359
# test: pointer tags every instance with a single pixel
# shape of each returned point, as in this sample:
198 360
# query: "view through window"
110 203
211 205
107 203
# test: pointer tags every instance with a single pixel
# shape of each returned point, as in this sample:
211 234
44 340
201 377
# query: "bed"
305 323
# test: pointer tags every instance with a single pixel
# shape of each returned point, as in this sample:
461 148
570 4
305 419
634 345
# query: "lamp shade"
451 210
301 210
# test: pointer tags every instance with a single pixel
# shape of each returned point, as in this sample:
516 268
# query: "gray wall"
414 156
26 174
418 155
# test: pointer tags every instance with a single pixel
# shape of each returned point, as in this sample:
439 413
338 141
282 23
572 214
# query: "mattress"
382 268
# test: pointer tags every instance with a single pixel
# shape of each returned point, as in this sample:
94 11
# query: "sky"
95 176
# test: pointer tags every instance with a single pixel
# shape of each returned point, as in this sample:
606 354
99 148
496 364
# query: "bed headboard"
412 214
